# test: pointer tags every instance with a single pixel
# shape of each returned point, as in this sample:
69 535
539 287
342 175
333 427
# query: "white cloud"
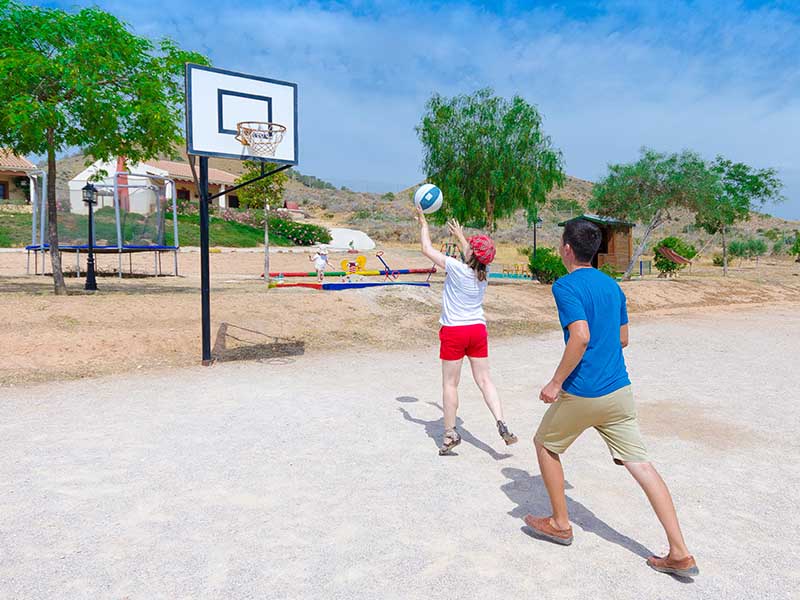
710 76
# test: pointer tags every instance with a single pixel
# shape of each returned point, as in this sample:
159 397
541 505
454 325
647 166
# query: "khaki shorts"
612 415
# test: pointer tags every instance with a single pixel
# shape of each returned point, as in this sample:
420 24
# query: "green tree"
489 156
666 266
84 80
648 190
740 190
795 249
268 191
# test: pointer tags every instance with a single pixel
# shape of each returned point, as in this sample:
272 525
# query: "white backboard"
216 100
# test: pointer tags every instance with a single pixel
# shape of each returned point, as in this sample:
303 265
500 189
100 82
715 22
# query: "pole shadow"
435 430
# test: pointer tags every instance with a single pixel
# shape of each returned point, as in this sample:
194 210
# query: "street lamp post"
536 224
89 193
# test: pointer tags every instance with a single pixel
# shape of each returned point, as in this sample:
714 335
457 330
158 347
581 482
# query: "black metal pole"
91 281
205 287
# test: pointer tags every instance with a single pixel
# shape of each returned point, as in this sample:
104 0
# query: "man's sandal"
450 440
508 437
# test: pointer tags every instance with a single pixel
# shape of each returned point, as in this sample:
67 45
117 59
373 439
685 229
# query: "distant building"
616 247
140 200
15 182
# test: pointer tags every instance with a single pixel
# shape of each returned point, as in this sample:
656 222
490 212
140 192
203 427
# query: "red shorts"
463 340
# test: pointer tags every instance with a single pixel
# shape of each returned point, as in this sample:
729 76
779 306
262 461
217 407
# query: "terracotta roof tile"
9 160
182 171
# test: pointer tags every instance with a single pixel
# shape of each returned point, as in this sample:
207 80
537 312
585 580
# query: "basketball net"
261 137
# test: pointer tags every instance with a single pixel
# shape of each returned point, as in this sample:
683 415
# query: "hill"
389 217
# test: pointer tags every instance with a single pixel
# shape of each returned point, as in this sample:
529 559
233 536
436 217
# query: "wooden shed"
616 248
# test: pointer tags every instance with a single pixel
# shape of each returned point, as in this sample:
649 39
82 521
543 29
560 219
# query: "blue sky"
718 77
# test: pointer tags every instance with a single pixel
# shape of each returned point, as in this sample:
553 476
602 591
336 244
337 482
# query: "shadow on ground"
235 343
435 430
529 494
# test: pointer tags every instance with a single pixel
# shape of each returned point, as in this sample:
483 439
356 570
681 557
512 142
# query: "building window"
3 190
184 195
233 201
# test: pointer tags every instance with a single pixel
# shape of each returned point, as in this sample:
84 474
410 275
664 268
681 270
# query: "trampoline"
132 210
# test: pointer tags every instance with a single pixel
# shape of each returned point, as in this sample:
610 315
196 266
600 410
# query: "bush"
749 248
566 205
302 234
610 270
546 266
795 249
677 245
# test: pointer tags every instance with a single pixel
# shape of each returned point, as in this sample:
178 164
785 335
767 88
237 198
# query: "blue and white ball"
429 198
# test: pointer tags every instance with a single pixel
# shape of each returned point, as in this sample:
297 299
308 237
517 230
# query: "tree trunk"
654 223
266 244
489 211
724 254
59 287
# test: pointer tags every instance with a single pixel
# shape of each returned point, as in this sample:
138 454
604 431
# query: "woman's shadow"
435 430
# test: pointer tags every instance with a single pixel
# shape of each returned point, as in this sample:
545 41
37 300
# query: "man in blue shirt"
591 388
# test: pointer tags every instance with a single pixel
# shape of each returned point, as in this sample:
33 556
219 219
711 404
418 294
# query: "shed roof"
182 171
600 220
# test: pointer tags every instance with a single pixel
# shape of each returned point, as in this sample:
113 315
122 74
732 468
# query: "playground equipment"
139 205
515 271
351 285
356 267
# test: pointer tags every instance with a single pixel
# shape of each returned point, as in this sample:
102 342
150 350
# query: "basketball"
429 198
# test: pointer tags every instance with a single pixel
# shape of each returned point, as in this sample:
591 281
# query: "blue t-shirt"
592 296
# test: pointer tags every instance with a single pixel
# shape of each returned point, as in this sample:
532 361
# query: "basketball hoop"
262 138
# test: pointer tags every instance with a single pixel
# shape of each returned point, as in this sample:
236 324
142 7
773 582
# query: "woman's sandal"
450 440
508 437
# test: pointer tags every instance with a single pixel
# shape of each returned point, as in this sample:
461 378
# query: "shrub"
566 205
717 260
749 248
737 248
677 245
525 250
388 196
610 270
302 234
795 249
546 266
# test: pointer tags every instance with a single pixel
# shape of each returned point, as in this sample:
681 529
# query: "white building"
139 189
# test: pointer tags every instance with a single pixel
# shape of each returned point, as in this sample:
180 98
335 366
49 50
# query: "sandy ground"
316 476
154 323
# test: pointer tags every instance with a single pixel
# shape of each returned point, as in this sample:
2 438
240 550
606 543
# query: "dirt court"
150 324
316 476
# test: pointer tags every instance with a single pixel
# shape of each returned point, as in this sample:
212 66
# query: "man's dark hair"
583 237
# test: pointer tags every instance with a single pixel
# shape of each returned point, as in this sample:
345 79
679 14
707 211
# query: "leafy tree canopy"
489 156
740 190
649 189
84 79
266 191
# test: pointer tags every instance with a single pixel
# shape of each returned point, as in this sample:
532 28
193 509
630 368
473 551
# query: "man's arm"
623 335
573 353
438 258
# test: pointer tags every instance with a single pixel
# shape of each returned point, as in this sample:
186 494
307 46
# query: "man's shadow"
530 496
435 430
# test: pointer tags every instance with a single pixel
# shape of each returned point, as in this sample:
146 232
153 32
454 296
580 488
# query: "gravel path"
318 477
